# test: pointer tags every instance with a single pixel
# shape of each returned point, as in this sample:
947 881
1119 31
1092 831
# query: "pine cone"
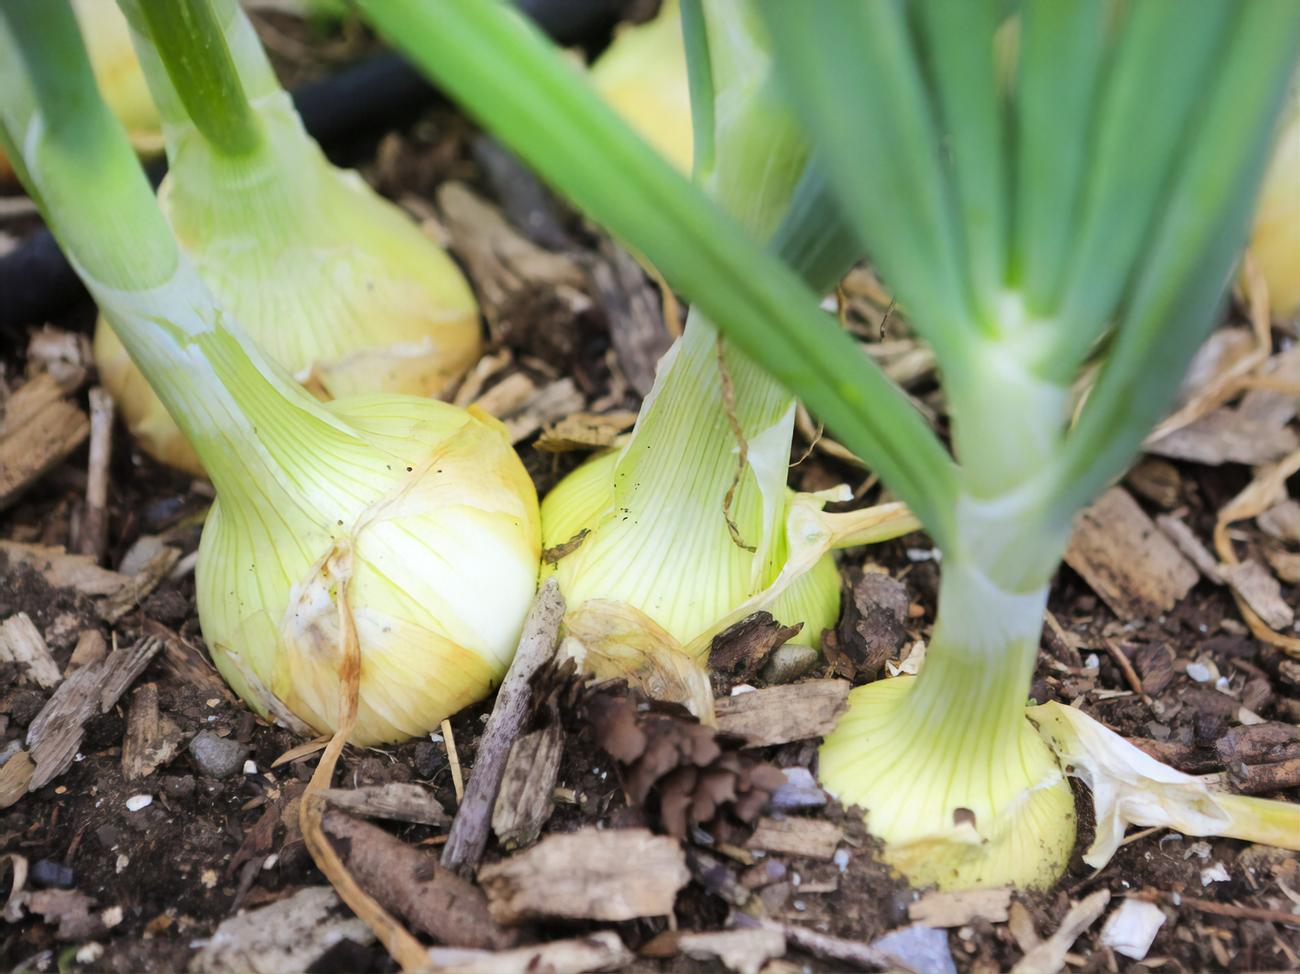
671 763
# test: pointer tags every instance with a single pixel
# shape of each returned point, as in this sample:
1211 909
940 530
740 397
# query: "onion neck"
193 73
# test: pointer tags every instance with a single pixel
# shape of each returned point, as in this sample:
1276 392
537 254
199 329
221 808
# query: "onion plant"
108 41
334 282
687 527
387 543
1089 212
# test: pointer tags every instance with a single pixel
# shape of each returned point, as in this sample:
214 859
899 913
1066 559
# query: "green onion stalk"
394 529
690 525
337 285
108 41
1090 214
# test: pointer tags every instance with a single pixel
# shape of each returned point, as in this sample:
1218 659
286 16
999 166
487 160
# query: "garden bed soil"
159 880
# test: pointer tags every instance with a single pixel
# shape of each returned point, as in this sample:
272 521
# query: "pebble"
1131 928
789 662
137 802
47 873
1199 672
217 756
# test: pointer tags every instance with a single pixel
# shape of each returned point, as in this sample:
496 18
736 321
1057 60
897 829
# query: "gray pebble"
217 756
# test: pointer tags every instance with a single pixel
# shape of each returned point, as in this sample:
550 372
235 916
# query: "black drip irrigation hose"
36 281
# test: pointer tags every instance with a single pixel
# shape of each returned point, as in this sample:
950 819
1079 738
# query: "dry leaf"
584 431
613 640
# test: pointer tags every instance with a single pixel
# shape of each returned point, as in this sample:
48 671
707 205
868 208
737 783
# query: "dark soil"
180 866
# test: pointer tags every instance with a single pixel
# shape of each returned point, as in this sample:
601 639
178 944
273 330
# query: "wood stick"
469 830
453 759
1222 909
94 523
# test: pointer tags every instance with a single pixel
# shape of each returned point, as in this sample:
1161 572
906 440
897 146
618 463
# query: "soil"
193 857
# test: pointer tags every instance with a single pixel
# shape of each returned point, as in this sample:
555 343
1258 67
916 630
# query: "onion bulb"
335 283
389 538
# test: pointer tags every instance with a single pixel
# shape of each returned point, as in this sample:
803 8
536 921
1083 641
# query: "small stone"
137 802
122 862
1199 672
1217 873
52 874
1132 927
89 953
789 662
217 756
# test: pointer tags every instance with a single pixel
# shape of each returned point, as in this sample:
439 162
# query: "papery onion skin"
584 501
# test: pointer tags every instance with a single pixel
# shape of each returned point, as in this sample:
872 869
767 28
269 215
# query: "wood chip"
15 777
1282 521
55 735
590 874
739 651
633 309
778 715
526 799
40 429
956 909
810 838
398 801
1227 435
1191 546
93 536
152 739
584 431
1285 563
139 585
286 937
1127 560
409 882
21 643
91 648
1262 592
599 951
187 662
546 405
744 951
917 949
1049 956
469 831
63 570
501 262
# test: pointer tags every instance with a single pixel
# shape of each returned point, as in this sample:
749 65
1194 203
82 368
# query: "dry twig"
469 830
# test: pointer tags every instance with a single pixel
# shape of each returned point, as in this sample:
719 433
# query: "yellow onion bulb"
428 540
687 575
642 75
1275 239
335 283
